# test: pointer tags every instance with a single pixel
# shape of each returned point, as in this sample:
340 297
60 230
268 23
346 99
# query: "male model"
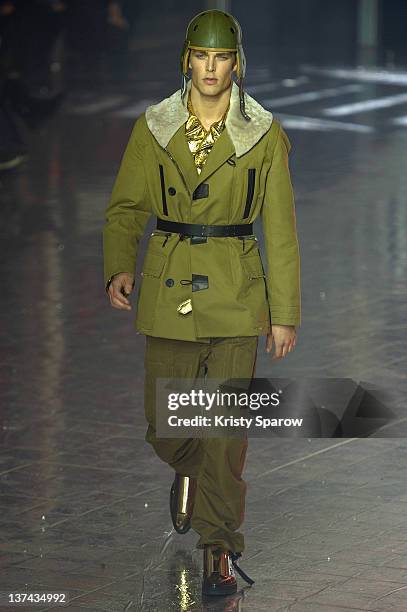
206 162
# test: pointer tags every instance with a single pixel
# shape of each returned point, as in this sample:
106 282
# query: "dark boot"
182 497
218 572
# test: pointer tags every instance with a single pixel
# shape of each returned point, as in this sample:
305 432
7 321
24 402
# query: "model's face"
212 70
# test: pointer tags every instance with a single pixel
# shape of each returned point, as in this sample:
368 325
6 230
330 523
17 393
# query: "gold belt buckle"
185 307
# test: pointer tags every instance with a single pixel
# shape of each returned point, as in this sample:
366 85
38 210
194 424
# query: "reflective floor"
83 499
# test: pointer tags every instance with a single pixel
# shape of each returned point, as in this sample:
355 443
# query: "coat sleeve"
280 237
128 210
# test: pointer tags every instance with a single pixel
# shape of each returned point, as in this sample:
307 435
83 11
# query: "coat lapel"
221 151
178 147
166 122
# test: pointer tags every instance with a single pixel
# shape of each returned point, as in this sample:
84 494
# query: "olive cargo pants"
217 463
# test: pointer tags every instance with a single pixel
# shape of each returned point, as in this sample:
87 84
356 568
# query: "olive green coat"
245 175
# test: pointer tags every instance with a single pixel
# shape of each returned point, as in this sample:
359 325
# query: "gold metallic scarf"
200 141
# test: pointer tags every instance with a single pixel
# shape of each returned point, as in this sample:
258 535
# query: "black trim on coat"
199 282
250 191
164 198
202 191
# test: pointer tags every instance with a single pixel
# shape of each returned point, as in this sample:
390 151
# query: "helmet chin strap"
242 103
183 87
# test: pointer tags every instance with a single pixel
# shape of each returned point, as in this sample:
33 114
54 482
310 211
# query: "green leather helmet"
217 31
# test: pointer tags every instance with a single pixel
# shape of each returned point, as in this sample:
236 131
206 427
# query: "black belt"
194 229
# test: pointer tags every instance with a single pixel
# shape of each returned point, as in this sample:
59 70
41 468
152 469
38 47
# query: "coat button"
169 282
172 190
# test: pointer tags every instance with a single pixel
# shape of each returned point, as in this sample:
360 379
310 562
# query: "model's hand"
120 287
284 337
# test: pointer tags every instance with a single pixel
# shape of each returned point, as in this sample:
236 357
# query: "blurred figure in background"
31 74
12 148
24 70
97 35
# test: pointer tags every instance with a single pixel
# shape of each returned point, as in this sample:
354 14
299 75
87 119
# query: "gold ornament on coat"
185 307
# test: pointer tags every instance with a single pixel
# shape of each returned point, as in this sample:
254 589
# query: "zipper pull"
181 237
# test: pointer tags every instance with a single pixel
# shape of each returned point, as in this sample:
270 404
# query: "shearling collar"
166 117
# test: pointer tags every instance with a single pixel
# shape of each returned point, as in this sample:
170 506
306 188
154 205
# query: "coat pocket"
251 179
153 265
253 291
163 196
148 297
252 266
